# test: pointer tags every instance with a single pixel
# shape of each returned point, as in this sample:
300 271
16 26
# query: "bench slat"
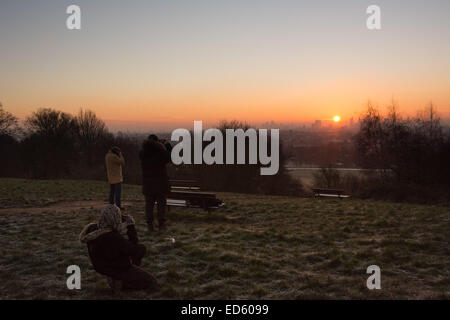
186 193
335 193
191 195
184 188
332 195
184 203
184 183
328 191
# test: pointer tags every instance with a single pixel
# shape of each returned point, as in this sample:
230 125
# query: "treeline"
53 145
416 150
407 158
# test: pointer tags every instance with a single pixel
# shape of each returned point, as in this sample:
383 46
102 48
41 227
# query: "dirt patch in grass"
60 206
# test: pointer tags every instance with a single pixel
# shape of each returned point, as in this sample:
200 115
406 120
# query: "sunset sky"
166 63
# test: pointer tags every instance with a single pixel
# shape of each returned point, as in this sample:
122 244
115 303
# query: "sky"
164 64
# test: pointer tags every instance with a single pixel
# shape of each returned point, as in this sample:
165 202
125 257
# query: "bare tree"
369 140
91 134
90 127
429 123
8 122
416 150
49 122
50 146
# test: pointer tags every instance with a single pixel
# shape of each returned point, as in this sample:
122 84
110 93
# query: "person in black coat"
155 155
114 256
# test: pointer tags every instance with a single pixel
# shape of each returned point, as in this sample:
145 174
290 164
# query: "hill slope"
256 247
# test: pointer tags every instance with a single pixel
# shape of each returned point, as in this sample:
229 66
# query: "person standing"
155 155
114 163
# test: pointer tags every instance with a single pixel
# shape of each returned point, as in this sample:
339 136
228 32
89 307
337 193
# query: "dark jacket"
110 253
154 158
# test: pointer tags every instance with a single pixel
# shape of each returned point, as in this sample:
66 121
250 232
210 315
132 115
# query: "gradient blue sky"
166 63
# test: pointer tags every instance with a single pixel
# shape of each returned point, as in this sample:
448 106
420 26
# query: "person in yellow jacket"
114 163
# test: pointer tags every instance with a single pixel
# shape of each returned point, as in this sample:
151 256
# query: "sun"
336 118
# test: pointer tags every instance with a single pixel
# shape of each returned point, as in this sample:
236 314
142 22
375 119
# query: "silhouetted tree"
9 146
90 128
8 122
413 150
370 138
91 134
49 148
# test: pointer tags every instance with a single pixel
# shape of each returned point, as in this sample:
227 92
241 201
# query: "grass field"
257 247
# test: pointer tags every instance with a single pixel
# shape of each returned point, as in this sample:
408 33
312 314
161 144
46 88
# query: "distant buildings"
317 125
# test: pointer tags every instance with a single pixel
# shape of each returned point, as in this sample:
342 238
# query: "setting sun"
336 118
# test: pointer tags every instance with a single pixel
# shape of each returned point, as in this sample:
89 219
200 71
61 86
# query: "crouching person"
114 256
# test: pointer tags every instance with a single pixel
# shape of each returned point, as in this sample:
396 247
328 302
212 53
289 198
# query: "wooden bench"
184 185
334 193
186 193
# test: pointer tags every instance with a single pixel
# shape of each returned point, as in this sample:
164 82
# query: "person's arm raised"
167 153
118 159
131 229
